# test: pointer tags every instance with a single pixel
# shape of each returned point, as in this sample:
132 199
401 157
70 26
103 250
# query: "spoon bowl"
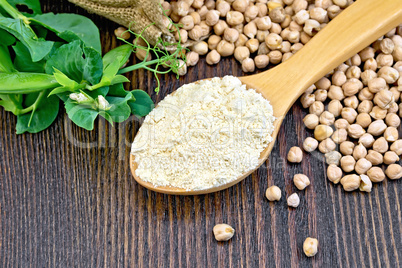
351 31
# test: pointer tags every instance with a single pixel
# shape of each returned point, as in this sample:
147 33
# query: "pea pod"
25 83
6 65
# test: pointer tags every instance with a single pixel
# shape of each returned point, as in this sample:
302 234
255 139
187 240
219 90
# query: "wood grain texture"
67 199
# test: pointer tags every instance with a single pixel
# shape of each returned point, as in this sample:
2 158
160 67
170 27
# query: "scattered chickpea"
310 246
374 157
326 146
348 163
301 181
192 58
380 145
339 136
310 144
394 171
200 47
293 200
322 132
295 155
261 61
248 65
350 182
365 183
346 147
390 157
122 33
333 157
223 232
362 166
213 57
367 140
376 174
396 146
225 48
273 193
241 53
359 151
334 173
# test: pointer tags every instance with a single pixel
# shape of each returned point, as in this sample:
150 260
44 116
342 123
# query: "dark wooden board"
67 199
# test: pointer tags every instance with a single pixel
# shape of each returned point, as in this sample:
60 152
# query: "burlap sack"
142 16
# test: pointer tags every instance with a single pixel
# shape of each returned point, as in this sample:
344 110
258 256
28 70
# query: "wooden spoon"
351 31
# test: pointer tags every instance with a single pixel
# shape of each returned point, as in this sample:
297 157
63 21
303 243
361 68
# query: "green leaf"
71 27
6 65
119 79
120 110
23 61
39 119
117 90
93 67
6 39
142 105
122 53
11 103
33 5
38 48
68 60
25 83
81 116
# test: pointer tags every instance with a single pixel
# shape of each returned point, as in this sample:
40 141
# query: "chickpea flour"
204 135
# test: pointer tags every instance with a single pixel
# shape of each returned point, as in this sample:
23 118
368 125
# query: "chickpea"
355 131
390 157
363 119
316 108
241 41
213 57
353 72
326 118
365 183
392 120
261 61
263 49
192 58
252 45
122 33
350 182
359 151
341 123
248 65
319 14
273 41
326 146
262 9
376 174
198 3
196 17
241 53
384 60
370 64
234 18
311 121
334 173
295 155
277 14
333 158
264 23
231 35
223 7
181 8
273 193
378 113
322 132
293 200
339 136
250 30
213 41
396 146
380 145
365 94
351 102
377 84
374 157
389 74
362 166
333 11
384 98
261 35
220 27
367 53
366 140
275 56
225 48
335 107
310 144
351 87
311 27
301 17
349 114
294 37
223 232
394 171
187 22
365 107
310 246
377 127
391 134
348 163
195 33
301 181
240 5
251 13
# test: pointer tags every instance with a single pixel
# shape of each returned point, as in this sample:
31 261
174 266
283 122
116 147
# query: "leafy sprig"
57 58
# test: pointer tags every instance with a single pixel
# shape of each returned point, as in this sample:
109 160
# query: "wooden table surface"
67 199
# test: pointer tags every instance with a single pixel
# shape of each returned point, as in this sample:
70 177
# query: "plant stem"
137 66
13 12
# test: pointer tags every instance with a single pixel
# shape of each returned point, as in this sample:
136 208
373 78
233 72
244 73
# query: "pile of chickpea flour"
204 135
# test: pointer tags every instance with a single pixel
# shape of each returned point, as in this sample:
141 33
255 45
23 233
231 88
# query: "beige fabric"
140 15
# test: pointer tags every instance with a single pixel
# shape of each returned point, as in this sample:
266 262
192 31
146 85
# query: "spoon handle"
351 31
